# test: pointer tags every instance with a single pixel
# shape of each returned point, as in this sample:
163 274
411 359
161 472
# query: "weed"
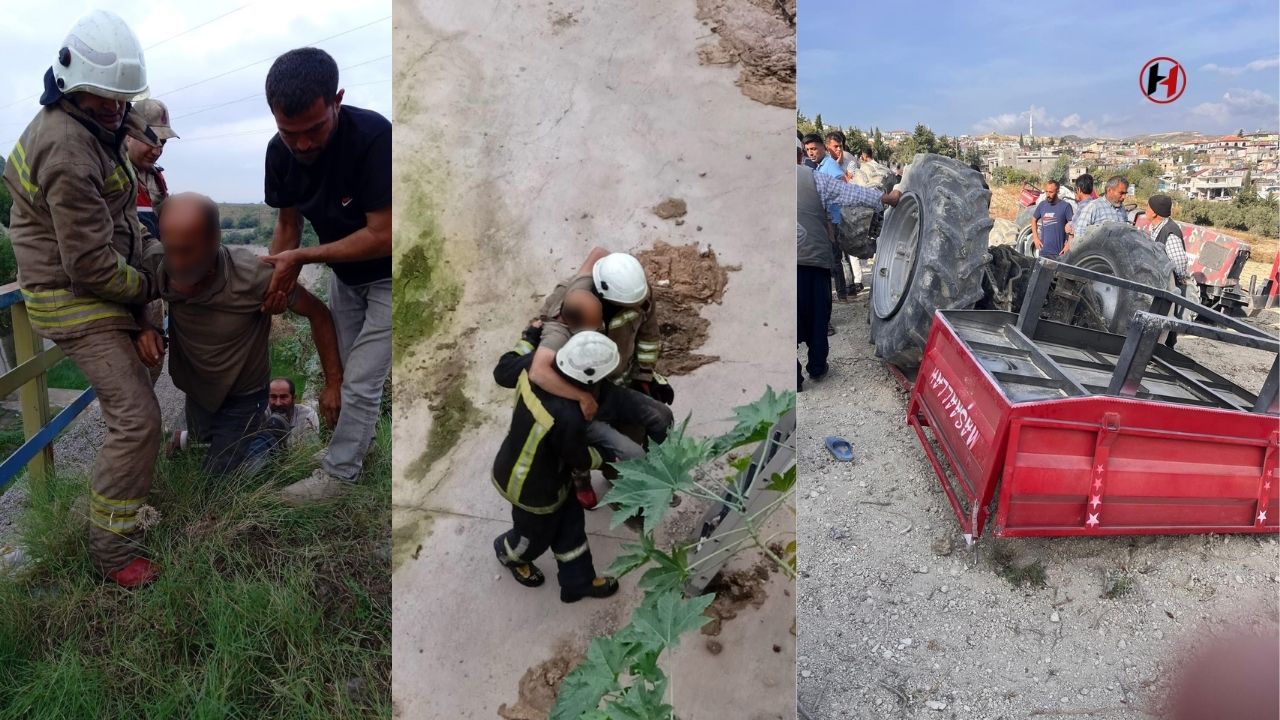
1116 584
261 610
1005 563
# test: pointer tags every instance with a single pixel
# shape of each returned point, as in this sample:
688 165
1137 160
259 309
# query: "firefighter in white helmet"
639 409
548 438
79 248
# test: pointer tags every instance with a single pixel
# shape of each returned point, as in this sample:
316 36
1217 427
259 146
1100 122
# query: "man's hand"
891 198
150 346
331 403
284 280
589 406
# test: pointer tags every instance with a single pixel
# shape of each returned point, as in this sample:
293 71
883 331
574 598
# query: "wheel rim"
896 258
1025 244
1108 295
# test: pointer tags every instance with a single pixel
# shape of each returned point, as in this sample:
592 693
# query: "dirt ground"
685 278
899 619
758 36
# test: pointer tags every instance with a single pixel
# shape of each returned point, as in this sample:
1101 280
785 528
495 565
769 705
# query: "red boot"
140 571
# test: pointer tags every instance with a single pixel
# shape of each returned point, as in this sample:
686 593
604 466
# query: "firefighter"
548 438
152 189
79 247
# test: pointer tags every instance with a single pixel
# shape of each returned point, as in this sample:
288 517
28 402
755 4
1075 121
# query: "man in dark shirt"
331 164
547 440
1048 225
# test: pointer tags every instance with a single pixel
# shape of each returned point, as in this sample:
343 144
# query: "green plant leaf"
631 557
640 702
755 419
670 571
664 617
784 481
581 690
647 484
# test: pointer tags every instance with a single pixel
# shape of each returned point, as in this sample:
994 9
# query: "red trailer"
1059 430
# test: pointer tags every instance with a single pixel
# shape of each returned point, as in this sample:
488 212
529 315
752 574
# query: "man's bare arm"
592 258
288 232
543 374
326 339
1035 230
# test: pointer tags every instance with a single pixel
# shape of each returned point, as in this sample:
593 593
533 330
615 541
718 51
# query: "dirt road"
899 619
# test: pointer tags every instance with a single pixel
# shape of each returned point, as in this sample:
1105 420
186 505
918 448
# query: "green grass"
261 610
66 375
290 357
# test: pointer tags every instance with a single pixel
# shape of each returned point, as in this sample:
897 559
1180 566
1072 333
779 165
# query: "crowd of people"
119 273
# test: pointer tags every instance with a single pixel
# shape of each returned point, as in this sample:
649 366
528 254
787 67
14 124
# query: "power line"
267 59
259 95
171 37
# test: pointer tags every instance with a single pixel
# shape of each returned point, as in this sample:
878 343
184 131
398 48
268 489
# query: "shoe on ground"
857 288
601 587
317 487
137 573
527 574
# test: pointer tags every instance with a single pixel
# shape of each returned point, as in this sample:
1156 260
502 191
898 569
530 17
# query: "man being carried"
629 316
331 164
79 248
547 438
304 424
1049 222
221 337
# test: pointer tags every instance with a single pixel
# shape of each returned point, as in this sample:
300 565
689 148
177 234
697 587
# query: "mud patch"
684 279
451 413
541 683
671 208
735 590
424 292
760 36
407 538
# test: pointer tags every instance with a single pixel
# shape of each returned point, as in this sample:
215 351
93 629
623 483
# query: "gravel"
882 560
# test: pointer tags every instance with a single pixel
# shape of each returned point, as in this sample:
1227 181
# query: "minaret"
1031 123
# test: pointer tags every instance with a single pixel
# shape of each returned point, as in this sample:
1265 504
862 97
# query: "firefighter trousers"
125 465
564 532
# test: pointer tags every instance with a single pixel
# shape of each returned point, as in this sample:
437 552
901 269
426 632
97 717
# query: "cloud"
1239 106
1256 65
1047 124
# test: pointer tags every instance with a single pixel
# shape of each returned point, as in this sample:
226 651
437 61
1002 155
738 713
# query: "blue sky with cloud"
983 65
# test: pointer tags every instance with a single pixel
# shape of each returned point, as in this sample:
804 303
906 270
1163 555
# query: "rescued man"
304 424
547 438
220 336
79 249
330 164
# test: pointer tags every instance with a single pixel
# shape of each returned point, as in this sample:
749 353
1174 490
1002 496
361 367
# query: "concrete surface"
537 131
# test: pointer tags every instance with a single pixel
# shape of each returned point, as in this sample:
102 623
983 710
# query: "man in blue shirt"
1048 228
828 165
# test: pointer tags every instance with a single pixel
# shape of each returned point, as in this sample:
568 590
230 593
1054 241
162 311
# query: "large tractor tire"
1119 249
1023 218
1003 232
856 231
931 252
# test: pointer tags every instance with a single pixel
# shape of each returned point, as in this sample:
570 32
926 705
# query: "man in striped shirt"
1105 209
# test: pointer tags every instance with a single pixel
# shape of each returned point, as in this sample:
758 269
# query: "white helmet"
102 56
620 279
588 357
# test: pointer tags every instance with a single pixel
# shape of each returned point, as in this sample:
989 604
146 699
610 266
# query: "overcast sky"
983 65
223 121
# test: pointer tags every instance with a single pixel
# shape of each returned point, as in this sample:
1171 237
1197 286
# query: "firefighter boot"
525 573
137 573
601 587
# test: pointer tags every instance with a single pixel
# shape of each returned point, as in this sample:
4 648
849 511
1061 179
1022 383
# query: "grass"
66 375
261 610
1117 584
1005 563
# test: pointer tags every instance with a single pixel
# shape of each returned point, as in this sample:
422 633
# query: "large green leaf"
753 420
784 481
631 557
647 484
640 702
669 571
664 617
581 689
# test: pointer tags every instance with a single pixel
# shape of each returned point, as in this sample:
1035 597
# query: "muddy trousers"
564 532
813 314
125 465
362 318
622 409
240 434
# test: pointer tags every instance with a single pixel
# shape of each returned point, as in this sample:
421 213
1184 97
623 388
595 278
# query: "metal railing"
29 378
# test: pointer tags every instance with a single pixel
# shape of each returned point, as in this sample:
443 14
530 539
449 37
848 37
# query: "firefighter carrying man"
548 438
637 408
79 247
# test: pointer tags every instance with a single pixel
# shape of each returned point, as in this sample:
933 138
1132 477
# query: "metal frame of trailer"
1056 430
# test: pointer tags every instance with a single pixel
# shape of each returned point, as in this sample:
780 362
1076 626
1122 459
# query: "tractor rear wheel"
1120 249
930 254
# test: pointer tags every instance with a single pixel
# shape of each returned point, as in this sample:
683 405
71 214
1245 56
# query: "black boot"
601 587
527 574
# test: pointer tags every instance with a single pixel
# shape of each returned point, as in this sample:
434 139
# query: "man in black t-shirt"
331 164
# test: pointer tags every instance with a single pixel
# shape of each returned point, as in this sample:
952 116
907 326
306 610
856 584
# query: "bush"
1260 217
1013 176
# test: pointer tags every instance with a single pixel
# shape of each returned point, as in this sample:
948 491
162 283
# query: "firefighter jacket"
547 439
74 224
